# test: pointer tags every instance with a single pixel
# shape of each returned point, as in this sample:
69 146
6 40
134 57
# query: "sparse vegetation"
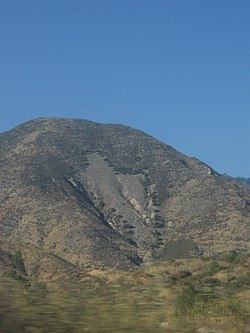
172 295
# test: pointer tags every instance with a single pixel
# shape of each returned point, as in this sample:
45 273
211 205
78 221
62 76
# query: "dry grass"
146 300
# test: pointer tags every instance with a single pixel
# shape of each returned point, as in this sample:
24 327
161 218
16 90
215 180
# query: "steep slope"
114 196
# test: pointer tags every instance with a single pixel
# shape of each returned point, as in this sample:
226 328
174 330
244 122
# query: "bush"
159 224
17 262
230 256
128 226
213 267
186 300
193 301
242 281
15 276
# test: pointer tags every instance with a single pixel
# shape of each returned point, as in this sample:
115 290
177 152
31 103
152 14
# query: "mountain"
75 194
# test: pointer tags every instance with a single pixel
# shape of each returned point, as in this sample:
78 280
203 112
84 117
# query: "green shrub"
186 300
13 274
128 226
195 301
159 224
242 281
17 262
230 256
213 267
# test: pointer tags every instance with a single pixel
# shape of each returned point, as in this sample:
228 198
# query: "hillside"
86 194
243 180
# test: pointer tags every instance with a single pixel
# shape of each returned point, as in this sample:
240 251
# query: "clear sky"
177 69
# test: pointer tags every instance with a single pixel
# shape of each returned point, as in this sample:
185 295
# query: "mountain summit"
113 196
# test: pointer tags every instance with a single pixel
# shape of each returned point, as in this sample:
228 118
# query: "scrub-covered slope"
113 196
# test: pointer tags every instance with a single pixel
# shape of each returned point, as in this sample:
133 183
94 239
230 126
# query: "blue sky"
177 69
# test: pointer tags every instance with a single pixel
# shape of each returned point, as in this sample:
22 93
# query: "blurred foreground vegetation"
177 296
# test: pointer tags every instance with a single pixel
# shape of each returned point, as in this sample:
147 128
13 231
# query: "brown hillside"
113 196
